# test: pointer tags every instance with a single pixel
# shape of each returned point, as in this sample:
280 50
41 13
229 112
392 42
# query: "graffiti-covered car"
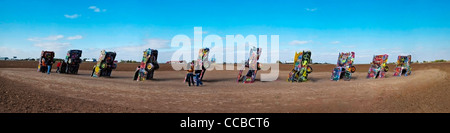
403 66
200 65
378 67
301 67
45 59
148 65
203 62
344 67
105 64
252 64
72 62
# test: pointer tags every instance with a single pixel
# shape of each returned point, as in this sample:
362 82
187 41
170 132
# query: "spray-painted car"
253 65
403 66
46 56
203 62
378 66
72 62
105 64
201 65
148 65
301 67
344 67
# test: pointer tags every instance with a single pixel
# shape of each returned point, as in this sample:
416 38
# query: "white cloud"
296 42
75 37
52 45
54 37
335 42
134 52
96 9
311 9
10 52
51 38
72 16
33 39
157 43
60 48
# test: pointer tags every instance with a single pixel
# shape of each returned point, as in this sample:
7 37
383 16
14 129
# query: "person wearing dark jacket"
49 64
190 75
197 74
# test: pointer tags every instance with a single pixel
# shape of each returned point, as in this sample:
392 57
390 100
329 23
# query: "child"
57 66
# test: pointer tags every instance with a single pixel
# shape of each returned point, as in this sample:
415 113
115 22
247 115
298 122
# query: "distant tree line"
128 61
435 61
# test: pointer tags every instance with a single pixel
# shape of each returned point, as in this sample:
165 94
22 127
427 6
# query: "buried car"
105 64
301 67
252 64
344 67
72 62
202 63
403 66
45 60
148 65
199 66
378 66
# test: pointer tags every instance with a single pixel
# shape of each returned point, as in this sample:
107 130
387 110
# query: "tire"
353 69
309 69
149 67
347 77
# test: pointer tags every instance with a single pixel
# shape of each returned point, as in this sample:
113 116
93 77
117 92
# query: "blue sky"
417 27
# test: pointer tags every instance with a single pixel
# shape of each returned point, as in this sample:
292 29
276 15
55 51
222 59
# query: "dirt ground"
22 89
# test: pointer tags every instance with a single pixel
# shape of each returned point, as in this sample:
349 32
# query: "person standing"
43 65
197 72
49 64
57 66
190 75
